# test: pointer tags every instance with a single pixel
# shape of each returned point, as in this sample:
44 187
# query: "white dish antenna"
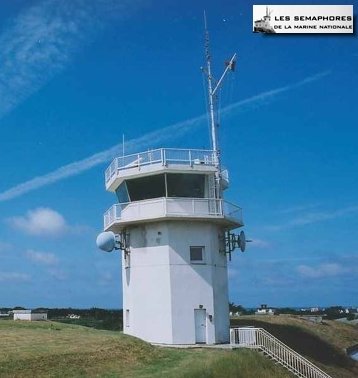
107 241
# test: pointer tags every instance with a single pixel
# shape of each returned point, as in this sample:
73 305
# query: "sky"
75 76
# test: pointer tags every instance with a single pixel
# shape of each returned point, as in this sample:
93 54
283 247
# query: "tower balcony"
217 210
159 161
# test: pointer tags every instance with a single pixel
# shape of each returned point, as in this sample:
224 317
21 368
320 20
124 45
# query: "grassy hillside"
48 349
324 344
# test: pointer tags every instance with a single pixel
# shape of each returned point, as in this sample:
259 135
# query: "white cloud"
261 97
14 277
259 243
41 221
322 216
322 270
295 209
159 136
83 165
41 40
43 258
314 217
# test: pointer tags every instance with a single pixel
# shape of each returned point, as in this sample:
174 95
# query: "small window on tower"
127 318
197 255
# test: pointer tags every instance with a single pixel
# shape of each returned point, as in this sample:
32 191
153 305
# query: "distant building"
29 315
234 314
264 310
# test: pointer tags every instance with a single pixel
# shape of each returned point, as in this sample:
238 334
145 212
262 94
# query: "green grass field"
52 349
49 349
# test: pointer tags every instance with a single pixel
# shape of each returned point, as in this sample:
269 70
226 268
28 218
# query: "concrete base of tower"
175 286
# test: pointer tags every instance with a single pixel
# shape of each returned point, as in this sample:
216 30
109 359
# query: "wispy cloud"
43 258
323 270
40 221
83 165
41 41
288 260
315 217
14 277
267 95
323 216
260 243
296 209
159 136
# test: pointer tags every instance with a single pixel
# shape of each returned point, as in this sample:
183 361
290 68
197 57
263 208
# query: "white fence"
161 207
162 156
260 339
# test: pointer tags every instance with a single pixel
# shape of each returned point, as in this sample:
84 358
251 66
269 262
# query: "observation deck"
168 184
120 215
159 161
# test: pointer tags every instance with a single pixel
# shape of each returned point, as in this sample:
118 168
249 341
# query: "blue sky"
77 75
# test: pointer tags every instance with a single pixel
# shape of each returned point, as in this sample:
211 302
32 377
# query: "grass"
108 324
49 349
323 344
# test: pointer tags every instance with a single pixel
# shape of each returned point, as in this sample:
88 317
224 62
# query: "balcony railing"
172 207
163 156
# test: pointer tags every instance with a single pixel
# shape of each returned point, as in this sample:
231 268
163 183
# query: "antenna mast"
214 139
213 89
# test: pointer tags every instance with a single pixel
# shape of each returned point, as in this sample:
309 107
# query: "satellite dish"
106 241
242 241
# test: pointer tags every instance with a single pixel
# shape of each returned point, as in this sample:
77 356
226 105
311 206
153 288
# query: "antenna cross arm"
228 67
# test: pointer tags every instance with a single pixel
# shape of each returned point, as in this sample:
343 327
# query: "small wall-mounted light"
200 306
210 318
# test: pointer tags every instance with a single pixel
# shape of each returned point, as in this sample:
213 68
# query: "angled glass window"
122 193
146 187
186 185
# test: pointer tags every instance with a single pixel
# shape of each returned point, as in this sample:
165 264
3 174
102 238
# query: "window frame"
127 317
203 260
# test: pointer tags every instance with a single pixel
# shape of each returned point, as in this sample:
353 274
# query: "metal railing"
172 206
260 339
163 156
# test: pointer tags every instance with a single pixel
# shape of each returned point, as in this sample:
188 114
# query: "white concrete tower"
173 225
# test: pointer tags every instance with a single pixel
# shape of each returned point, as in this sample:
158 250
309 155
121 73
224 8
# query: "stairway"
261 340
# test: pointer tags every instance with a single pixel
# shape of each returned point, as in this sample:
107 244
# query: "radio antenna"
213 92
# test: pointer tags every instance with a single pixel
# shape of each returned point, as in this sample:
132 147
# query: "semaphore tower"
173 226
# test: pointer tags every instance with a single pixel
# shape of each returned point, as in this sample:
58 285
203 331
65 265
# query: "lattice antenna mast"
213 90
